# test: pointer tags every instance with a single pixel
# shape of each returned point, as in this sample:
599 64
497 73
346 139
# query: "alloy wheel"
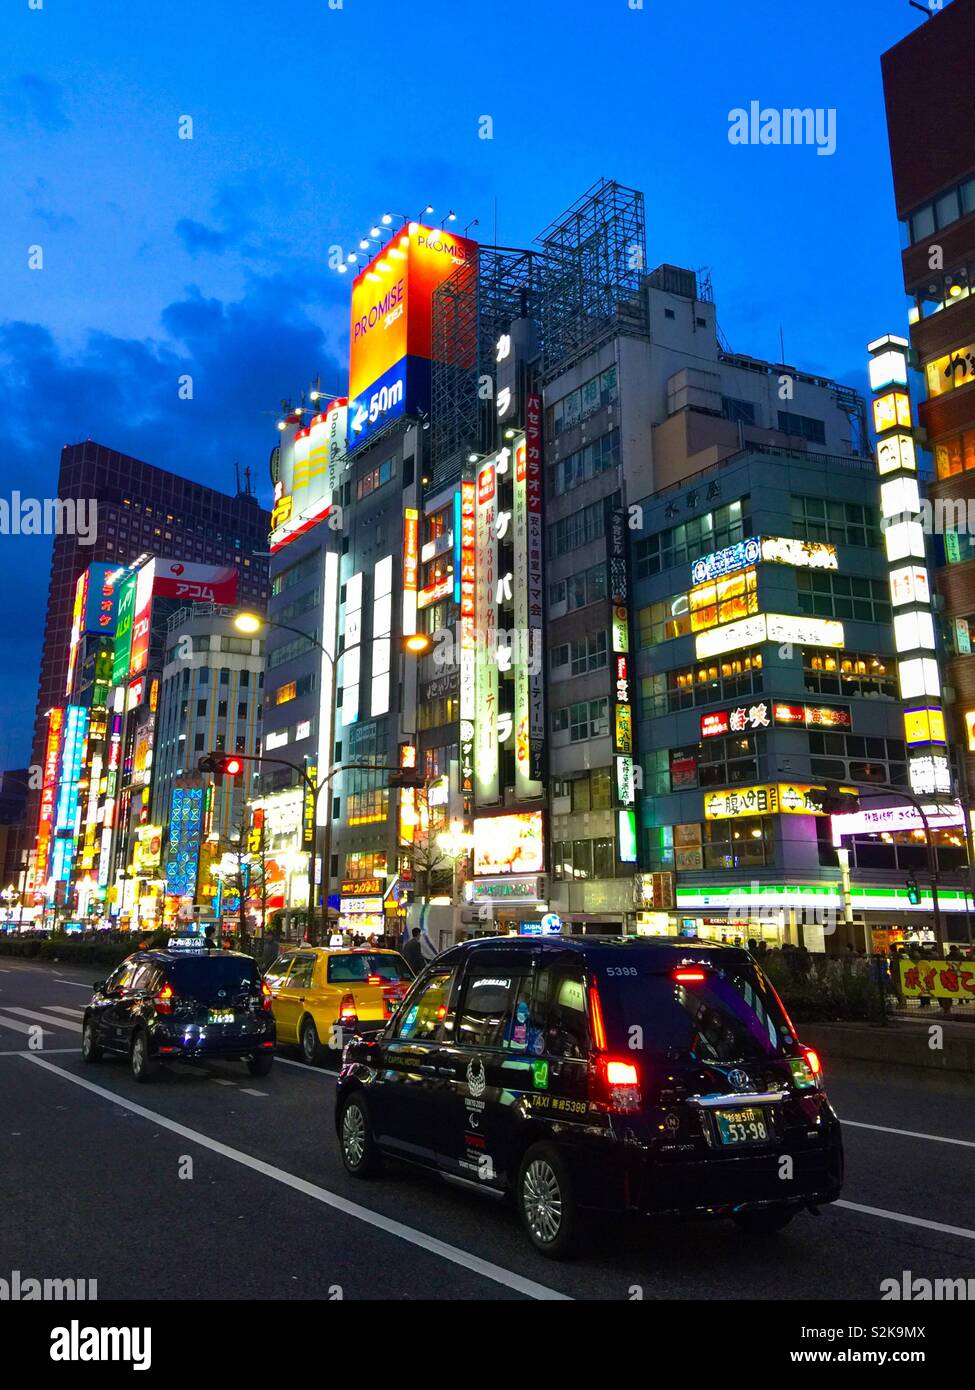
353 1135
542 1200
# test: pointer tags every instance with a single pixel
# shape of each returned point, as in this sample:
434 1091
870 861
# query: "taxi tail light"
347 1011
163 1000
617 1084
267 998
813 1061
374 979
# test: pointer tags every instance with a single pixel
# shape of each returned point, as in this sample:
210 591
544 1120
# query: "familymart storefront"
778 914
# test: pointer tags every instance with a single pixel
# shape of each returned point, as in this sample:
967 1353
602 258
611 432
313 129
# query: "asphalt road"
213 1184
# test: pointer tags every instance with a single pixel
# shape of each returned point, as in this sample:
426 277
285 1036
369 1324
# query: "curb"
870 1043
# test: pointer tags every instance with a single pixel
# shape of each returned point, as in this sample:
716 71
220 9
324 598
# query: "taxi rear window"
714 1013
356 969
204 977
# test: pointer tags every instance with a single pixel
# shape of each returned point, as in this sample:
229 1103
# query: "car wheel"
311 1047
90 1050
546 1203
360 1153
260 1063
764 1222
144 1067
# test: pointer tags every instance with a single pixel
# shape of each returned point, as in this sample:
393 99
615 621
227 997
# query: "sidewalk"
904 1042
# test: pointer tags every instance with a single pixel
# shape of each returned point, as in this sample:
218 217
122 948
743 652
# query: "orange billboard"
392 300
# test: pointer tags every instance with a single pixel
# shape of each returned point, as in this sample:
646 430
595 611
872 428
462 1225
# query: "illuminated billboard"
390 332
311 461
180 579
123 629
509 844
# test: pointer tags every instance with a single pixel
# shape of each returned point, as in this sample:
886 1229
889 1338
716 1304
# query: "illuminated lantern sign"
411 563
529 587
910 588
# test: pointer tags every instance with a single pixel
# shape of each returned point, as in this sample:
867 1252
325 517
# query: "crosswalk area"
54 1024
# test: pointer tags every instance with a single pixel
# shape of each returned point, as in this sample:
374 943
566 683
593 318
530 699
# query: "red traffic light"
220 766
231 767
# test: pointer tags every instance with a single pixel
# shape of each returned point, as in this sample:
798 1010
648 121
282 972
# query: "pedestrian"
413 951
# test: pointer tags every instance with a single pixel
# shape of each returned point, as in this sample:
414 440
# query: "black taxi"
654 1076
185 1003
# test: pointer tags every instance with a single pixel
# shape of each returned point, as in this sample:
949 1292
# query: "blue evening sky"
208 256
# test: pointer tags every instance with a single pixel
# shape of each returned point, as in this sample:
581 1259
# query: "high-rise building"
932 153
135 509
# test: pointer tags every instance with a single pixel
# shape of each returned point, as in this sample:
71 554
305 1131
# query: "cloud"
244 357
31 100
196 237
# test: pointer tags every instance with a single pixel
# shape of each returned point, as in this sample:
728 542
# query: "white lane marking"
488 1270
44 1018
884 1215
222 1081
72 1010
48 1052
19 1027
911 1134
304 1066
78 984
246 1091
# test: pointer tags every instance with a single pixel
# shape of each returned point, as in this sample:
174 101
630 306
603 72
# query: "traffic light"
913 891
837 800
221 765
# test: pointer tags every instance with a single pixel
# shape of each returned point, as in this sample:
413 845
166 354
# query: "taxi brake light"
347 1008
689 977
164 999
374 979
618 1085
813 1061
267 999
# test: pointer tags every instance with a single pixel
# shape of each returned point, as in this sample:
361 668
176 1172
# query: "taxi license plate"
221 1016
748 1126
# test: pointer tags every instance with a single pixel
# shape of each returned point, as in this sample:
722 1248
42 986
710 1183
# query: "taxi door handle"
447 1071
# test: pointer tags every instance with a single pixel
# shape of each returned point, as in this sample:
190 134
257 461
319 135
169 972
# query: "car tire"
360 1152
546 1202
311 1047
90 1051
766 1221
144 1067
260 1063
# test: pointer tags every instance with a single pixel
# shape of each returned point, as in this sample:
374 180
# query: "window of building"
738 411
727 678
691 539
955 455
587 463
850 674
805 426
375 478
842 523
748 842
583 720
851 757
578 405
579 590
581 859
826 595
581 527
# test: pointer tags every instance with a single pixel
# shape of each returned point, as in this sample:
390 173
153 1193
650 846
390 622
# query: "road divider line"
454 1254
78 984
48 1052
910 1134
19 1027
72 1010
44 1018
891 1216
246 1091
288 1062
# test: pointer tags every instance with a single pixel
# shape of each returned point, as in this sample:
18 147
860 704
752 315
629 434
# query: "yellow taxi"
320 994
